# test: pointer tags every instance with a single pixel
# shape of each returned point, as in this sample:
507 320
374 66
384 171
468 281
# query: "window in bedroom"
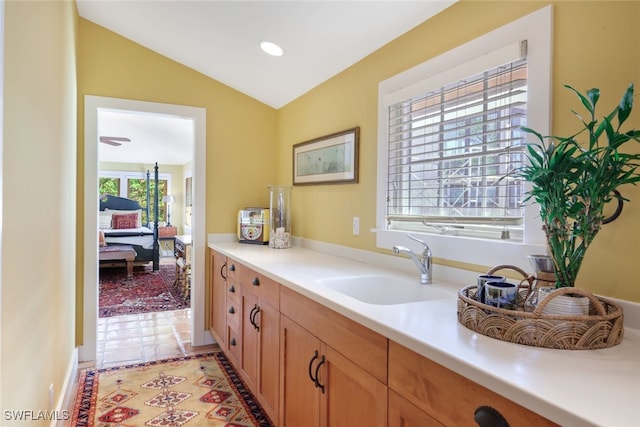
448 134
108 185
133 185
188 196
137 190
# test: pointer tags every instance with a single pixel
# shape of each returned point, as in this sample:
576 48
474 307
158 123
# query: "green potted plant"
574 177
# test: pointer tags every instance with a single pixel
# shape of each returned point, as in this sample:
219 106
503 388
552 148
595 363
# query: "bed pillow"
122 221
138 212
105 220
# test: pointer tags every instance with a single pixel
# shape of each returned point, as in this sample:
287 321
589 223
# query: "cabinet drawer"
234 269
450 398
233 313
367 349
262 287
234 344
402 413
167 231
233 290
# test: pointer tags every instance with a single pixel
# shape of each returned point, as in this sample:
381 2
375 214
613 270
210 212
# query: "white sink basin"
382 289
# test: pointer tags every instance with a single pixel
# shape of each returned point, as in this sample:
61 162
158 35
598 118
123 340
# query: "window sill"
469 250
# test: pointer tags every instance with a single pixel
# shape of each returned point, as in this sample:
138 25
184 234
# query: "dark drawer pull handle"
233 341
233 267
232 289
255 281
486 416
252 316
222 271
232 310
315 356
317 370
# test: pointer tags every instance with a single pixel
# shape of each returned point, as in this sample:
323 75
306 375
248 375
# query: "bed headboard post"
156 244
148 199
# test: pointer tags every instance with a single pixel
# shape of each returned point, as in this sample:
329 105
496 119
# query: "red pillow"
122 221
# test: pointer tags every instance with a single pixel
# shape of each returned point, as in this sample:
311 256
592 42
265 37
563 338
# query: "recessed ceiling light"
271 48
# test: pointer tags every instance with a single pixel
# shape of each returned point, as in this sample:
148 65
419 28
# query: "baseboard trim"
67 392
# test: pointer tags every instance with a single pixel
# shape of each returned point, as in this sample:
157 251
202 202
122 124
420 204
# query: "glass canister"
279 216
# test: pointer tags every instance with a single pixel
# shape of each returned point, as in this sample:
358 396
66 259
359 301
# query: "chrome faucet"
423 263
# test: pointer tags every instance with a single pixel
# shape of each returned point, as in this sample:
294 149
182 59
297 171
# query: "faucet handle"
426 247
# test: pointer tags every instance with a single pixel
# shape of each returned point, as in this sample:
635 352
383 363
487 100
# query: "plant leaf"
626 104
584 100
594 95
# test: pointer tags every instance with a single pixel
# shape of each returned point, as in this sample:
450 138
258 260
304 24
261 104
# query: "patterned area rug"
147 291
202 390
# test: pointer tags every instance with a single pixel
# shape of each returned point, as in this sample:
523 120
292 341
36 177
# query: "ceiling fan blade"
110 142
114 140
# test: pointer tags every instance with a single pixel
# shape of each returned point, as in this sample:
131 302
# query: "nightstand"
167 232
165 237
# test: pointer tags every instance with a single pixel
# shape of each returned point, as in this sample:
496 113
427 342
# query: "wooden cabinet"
333 370
403 413
234 342
310 366
299 395
260 324
445 395
217 296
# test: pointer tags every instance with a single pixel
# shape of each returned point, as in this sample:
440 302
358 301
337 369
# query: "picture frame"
330 159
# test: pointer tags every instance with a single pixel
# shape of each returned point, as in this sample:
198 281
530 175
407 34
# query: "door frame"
92 104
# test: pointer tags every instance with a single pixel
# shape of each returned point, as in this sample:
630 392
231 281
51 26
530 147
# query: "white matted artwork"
331 159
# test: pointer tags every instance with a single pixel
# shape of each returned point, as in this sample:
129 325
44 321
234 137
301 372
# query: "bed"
121 222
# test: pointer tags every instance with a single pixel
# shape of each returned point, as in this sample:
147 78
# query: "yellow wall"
38 218
596 44
240 130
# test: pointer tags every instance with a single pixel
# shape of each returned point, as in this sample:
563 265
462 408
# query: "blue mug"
482 280
501 295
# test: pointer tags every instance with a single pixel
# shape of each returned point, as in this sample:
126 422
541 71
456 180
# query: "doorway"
94 104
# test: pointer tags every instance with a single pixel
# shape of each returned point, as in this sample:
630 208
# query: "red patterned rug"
147 291
200 390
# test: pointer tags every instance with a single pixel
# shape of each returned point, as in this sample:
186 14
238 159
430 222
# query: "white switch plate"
356 225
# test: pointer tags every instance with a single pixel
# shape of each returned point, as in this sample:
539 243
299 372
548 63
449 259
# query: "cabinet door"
217 297
260 339
403 413
299 356
268 321
250 337
448 396
352 397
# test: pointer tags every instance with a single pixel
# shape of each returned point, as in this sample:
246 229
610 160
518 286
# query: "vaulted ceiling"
221 38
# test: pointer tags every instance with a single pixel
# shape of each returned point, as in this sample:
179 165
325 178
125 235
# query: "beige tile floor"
137 338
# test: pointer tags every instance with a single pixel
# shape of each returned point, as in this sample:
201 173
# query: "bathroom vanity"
315 353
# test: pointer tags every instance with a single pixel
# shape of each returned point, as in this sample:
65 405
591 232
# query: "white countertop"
569 387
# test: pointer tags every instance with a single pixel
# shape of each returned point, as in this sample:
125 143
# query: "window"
135 188
448 136
449 151
109 185
188 196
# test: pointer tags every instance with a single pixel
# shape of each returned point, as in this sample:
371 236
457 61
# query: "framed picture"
331 159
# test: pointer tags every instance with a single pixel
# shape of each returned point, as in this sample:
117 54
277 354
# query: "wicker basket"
601 328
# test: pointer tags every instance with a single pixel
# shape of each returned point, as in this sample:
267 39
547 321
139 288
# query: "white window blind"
449 151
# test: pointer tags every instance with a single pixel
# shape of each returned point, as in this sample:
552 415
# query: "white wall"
39 205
